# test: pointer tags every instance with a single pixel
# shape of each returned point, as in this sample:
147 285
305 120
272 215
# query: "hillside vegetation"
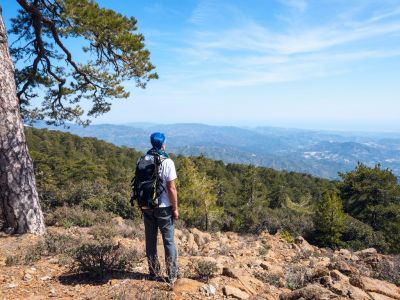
79 176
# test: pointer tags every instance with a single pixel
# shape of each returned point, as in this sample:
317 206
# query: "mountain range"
320 153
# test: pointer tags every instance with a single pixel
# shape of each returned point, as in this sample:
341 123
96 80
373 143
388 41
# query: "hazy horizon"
305 128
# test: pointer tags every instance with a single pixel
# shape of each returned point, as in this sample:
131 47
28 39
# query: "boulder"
233 273
231 291
312 291
191 244
345 253
376 286
369 256
366 252
303 244
343 267
201 238
376 296
339 284
319 272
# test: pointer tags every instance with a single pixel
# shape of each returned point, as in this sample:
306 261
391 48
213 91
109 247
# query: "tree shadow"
86 278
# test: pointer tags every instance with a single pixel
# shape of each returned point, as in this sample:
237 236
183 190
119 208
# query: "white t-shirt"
167 173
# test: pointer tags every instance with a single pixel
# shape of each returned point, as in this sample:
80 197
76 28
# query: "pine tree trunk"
19 202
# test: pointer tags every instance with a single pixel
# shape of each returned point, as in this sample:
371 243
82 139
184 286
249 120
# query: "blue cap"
157 139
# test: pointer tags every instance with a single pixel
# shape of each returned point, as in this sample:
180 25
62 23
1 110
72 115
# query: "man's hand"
173 197
175 214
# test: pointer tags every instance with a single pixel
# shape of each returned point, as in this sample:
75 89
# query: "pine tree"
329 220
197 196
115 54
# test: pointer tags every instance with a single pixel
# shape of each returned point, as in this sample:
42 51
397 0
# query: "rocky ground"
242 266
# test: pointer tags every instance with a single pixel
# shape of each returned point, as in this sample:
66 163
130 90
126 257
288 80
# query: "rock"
376 296
343 268
324 262
276 270
208 290
344 252
113 281
319 272
325 280
303 244
376 286
366 252
192 246
235 292
27 277
201 238
186 285
312 291
233 273
337 276
54 260
264 266
31 270
53 292
340 285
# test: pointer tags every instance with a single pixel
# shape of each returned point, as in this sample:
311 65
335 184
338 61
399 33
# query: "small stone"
264 266
54 260
208 290
12 285
27 277
45 278
53 292
113 281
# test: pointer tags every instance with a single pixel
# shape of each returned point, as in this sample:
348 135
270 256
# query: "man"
163 216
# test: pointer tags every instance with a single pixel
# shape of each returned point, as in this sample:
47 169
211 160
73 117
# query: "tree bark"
20 211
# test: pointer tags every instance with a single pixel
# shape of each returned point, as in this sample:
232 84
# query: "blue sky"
321 64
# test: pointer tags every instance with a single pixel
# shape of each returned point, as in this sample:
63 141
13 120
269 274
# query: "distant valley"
319 153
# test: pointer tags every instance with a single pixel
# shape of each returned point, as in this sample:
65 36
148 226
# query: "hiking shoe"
172 280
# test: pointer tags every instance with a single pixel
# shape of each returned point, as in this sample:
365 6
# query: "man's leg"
151 230
166 225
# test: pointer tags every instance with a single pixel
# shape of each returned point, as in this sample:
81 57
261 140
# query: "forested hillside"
85 174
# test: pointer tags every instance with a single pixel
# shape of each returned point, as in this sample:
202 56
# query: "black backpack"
146 184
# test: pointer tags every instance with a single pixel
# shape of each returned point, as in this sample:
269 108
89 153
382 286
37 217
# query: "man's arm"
173 198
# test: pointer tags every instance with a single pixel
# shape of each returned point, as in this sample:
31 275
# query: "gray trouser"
160 218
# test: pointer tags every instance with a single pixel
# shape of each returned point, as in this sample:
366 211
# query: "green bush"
269 278
263 250
296 276
32 254
66 217
358 235
60 243
287 236
99 258
296 223
388 269
52 244
100 255
205 268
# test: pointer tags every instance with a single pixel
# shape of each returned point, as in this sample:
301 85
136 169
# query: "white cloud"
255 53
